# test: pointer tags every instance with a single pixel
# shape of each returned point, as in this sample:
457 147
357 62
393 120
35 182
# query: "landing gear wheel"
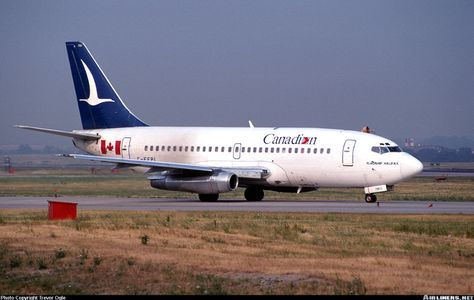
253 194
370 198
208 197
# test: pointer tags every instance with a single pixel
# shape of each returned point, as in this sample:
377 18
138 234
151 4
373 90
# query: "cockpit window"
394 149
376 149
382 150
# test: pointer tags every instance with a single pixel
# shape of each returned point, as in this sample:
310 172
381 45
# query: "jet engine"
219 182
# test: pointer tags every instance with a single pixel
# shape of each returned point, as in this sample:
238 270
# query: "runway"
334 206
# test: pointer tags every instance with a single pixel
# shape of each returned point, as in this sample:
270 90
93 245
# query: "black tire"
254 194
370 198
208 197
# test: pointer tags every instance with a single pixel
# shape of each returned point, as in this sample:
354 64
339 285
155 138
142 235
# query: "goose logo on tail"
93 99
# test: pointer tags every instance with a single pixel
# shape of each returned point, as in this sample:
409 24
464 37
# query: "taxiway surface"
114 203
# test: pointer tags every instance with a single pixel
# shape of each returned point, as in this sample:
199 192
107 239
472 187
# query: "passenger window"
162 148
249 149
254 149
186 149
198 148
180 148
174 148
277 150
328 150
260 150
230 149
315 151
146 148
321 151
296 150
157 148
266 149
168 148
243 149
192 148
289 150
151 148
283 150
271 150
216 149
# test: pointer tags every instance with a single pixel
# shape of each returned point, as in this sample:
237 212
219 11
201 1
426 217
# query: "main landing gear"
251 194
254 194
208 197
370 198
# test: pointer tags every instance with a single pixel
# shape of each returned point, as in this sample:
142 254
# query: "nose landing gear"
370 198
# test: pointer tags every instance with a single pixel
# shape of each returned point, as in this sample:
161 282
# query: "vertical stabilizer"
99 104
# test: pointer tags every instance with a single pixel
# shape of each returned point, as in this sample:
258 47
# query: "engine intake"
220 182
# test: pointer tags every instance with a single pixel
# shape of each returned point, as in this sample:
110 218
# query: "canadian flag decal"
109 147
117 147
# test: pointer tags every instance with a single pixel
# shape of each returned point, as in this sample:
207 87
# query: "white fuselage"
295 157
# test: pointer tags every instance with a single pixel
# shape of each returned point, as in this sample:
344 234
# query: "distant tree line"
27 149
442 154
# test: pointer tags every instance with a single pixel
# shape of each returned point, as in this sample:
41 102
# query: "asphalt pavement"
335 206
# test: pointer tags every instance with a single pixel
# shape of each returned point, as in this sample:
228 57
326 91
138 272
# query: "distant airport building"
409 142
7 163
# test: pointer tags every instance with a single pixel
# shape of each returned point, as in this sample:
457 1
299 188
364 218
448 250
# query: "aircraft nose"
410 166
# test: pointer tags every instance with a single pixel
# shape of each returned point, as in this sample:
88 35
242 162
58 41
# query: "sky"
405 68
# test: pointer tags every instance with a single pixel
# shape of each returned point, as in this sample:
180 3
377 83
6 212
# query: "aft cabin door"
348 153
126 147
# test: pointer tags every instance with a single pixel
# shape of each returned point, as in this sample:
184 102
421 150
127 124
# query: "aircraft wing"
157 166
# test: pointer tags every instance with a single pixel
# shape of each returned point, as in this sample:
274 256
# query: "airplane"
209 161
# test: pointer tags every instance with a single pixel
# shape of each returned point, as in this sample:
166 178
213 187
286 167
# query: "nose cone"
410 166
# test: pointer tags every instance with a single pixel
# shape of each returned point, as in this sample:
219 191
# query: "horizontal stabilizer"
76 135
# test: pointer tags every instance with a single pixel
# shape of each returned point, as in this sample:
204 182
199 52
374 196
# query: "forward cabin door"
348 153
126 147
237 150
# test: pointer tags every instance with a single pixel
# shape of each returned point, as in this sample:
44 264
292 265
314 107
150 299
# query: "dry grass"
235 253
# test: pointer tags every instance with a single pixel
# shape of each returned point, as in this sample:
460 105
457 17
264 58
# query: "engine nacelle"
220 182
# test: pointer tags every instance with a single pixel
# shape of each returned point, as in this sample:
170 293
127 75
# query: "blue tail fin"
99 104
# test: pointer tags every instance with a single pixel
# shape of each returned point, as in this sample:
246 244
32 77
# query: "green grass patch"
418 188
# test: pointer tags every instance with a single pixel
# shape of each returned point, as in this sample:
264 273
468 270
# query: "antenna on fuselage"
251 124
